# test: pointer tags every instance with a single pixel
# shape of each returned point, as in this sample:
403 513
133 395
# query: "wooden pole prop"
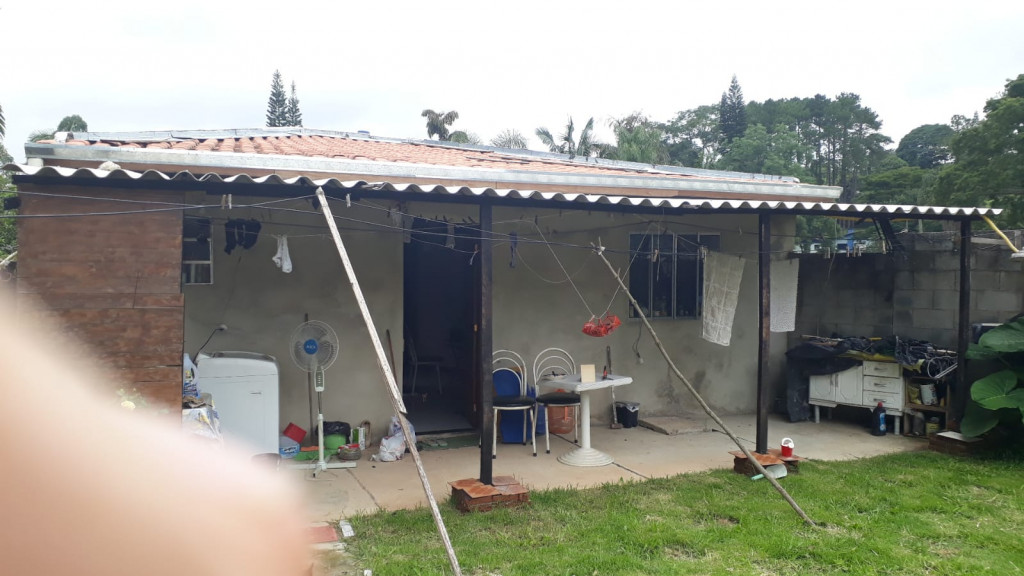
703 404
389 377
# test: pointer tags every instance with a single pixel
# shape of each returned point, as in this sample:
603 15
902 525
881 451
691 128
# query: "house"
155 239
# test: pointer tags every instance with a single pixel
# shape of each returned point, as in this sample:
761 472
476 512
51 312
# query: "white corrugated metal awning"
626 202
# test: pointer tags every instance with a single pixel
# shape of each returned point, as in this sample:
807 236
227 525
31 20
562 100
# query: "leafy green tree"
567 142
926 146
637 139
989 159
8 230
762 152
72 123
694 137
510 138
293 113
463 137
959 122
732 113
438 123
277 104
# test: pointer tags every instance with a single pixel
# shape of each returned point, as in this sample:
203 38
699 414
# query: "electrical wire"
268 205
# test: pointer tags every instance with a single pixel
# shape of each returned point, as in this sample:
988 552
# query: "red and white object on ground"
787 448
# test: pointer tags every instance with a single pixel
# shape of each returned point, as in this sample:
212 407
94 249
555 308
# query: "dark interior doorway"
441 279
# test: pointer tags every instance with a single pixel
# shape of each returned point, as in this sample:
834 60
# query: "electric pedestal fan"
314 347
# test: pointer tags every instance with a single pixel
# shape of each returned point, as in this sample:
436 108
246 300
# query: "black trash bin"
628 413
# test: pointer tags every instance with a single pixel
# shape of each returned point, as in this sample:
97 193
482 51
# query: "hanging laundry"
784 278
250 233
241 233
723 274
231 235
449 241
283 259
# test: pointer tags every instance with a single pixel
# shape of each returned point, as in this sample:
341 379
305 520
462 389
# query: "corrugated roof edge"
626 201
182 135
239 162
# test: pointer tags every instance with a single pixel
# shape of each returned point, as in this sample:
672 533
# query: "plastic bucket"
294 432
787 447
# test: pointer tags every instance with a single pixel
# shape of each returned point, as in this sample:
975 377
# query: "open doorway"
441 295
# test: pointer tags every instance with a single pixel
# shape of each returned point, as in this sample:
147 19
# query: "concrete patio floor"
639 453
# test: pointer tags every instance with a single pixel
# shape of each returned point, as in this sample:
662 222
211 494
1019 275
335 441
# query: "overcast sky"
140 65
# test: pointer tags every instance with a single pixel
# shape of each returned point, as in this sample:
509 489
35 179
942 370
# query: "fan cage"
326 345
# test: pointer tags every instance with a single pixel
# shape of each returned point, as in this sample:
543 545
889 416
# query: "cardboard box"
588 373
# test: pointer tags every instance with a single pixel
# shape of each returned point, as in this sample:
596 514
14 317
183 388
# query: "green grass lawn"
912 513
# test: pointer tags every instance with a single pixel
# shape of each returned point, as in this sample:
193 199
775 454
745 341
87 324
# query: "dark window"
667 273
196 254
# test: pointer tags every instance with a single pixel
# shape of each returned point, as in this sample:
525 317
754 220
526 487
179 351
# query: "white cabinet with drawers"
865 386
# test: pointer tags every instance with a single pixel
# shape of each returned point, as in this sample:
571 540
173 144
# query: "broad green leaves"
1005 338
1001 389
977 420
998 390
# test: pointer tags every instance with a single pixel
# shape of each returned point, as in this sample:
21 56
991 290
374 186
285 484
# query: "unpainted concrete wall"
262 305
912 296
534 305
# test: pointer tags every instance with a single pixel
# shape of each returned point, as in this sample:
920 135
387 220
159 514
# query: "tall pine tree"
294 114
732 113
277 105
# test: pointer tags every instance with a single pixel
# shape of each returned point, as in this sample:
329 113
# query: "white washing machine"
245 390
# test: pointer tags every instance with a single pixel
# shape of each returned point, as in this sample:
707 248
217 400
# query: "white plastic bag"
392 447
396 428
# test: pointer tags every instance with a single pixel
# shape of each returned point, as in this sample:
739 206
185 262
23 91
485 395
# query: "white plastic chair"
511 387
548 366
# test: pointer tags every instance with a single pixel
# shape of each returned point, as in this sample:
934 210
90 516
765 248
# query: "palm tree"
438 123
510 138
567 143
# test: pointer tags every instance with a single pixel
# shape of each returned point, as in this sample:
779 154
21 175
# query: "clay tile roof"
363 148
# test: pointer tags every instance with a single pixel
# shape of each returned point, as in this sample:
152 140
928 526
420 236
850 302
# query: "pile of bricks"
471 495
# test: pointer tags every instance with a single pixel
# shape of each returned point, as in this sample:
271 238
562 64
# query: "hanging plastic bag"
599 327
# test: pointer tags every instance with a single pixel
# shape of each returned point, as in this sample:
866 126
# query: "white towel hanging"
283 259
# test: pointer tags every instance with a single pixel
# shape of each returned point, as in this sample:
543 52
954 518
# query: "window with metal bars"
667 273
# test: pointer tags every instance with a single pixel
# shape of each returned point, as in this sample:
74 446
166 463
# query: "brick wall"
111 282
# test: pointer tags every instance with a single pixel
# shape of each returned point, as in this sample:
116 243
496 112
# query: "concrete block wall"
913 296
848 296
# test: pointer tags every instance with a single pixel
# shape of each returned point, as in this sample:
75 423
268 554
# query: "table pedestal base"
586 457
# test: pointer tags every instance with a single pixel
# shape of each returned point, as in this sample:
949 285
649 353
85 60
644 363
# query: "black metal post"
764 267
957 402
486 338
